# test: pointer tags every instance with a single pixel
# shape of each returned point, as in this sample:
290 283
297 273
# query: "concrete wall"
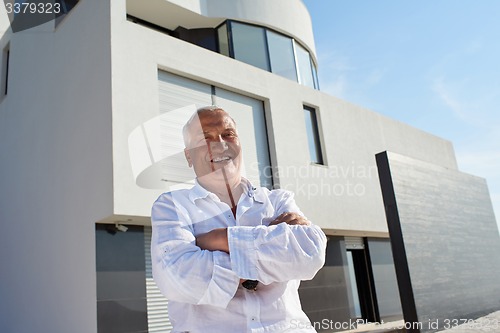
343 197
444 240
55 171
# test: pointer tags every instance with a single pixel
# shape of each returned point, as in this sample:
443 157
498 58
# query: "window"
305 67
156 147
128 299
204 37
281 55
315 76
268 50
5 69
223 40
249 45
121 279
313 135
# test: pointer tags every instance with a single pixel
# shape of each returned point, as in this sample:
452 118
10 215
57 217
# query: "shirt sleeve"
183 271
277 253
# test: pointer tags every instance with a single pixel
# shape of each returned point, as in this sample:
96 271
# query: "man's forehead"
212 119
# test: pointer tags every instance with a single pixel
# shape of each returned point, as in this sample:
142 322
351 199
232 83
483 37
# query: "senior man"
227 255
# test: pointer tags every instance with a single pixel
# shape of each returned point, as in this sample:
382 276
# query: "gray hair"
196 115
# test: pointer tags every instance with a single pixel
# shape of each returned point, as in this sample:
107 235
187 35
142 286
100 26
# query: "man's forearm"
215 240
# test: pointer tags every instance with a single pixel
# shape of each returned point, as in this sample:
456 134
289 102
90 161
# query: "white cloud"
483 162
375 76
443 91
469 102
334 86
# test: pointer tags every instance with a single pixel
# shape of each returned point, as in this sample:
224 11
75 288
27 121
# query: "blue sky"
433 64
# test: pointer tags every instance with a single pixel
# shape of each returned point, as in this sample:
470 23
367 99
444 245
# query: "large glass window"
249 45
156 147
313 135
281 55
305 69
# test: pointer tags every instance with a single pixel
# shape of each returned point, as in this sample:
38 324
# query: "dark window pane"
223 41
121 279
304 63
204 37
313 135
249 44
281 55
384 275
326 295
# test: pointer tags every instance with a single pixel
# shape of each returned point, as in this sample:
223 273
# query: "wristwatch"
250 284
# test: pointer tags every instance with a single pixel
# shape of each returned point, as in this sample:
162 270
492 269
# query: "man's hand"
214 240
291 219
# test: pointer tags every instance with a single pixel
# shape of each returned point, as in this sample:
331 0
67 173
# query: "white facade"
76 93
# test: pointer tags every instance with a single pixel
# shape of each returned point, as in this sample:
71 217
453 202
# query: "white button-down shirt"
203 287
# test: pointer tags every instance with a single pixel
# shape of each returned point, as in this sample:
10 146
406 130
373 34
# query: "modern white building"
90 116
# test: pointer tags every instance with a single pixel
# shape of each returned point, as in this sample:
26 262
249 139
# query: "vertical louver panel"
354 243
158 320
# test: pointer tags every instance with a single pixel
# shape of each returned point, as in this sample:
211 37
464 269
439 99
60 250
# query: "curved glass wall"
269 50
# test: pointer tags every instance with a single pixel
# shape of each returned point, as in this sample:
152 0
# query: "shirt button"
254 319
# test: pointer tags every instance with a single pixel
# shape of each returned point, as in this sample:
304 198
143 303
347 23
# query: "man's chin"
222 172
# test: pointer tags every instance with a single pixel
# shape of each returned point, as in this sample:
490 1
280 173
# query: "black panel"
397 242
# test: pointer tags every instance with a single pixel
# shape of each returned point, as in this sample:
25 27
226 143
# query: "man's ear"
188 157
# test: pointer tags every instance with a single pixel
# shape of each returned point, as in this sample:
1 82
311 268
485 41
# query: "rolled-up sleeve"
183 271
280 252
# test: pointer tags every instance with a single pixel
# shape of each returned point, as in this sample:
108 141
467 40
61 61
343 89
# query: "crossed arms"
216 240
207 269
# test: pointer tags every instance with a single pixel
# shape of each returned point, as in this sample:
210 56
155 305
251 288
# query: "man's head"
212 144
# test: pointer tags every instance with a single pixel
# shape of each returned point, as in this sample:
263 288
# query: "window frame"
314 141
5 70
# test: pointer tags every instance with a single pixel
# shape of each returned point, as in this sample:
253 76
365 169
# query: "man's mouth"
220 159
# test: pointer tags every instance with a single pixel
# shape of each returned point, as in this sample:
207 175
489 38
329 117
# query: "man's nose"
218 144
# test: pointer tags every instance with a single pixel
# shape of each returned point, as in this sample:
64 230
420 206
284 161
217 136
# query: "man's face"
214 145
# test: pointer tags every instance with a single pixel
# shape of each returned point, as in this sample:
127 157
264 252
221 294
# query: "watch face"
250 284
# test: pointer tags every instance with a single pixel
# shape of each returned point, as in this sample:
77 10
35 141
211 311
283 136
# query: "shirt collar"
199 192
253 192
